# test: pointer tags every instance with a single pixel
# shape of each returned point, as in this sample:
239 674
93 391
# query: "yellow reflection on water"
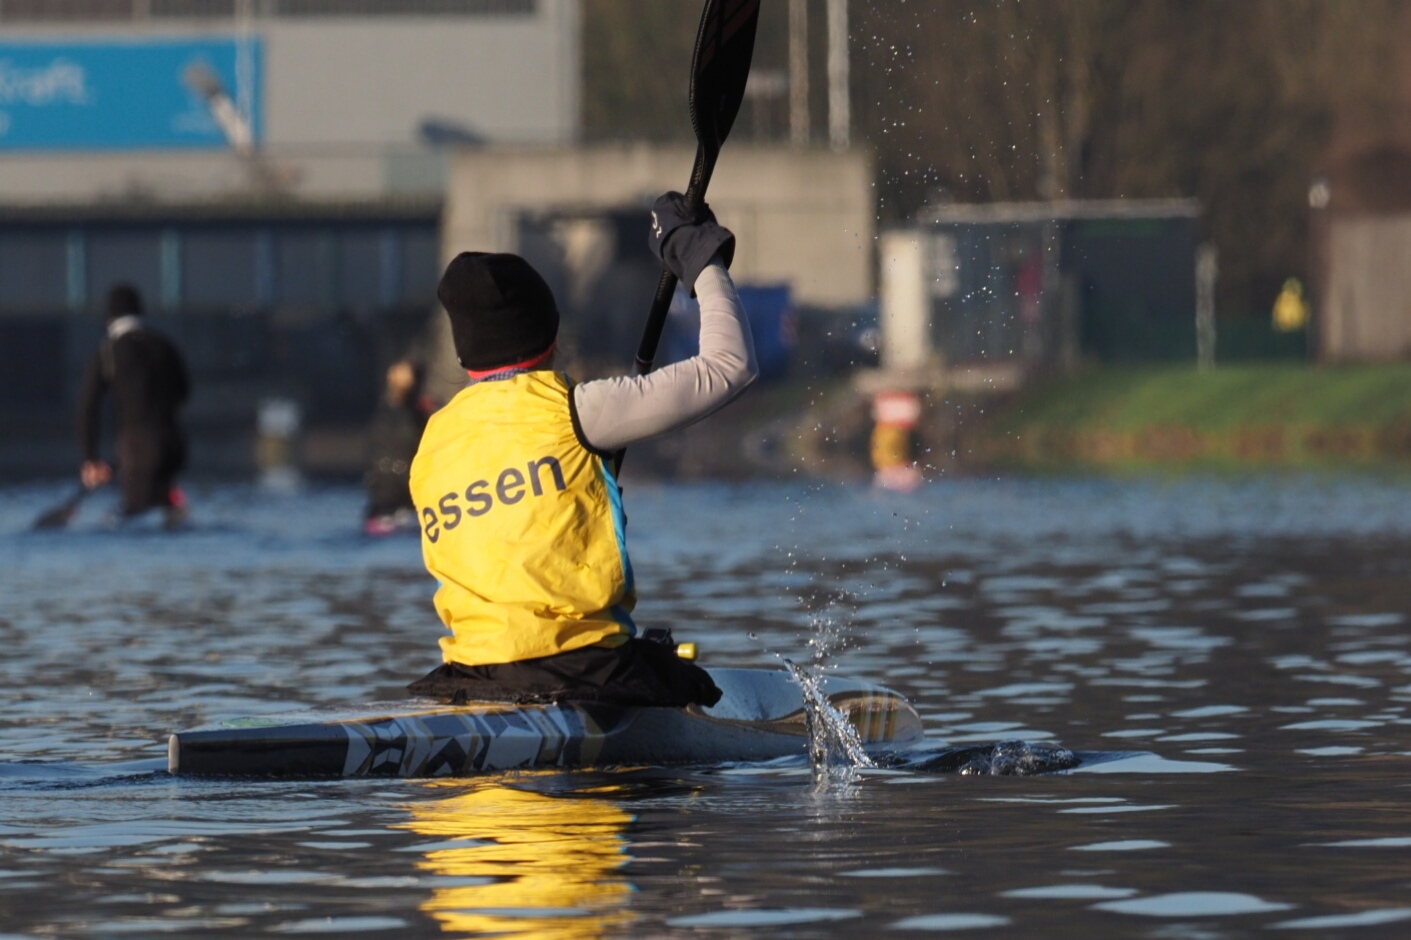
551 863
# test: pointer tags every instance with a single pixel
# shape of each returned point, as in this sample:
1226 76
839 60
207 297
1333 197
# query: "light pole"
799 130
839 108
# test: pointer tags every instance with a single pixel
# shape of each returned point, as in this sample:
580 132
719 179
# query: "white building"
346 99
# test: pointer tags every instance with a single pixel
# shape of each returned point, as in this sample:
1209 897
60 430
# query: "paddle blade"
720 68
62 514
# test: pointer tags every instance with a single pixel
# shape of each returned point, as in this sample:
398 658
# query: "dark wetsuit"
392 442
145 373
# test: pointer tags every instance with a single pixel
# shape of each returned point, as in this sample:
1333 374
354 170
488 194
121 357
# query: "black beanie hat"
501 310
123 300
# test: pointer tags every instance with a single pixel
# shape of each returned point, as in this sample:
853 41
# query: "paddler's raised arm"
616 412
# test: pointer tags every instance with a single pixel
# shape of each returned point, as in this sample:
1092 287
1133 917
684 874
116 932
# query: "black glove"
686 243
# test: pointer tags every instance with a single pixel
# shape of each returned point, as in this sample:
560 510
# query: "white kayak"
760 716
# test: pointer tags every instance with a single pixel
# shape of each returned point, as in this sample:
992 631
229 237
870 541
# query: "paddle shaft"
720 68
666 287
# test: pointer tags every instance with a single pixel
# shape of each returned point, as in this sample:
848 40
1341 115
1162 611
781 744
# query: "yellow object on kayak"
522 524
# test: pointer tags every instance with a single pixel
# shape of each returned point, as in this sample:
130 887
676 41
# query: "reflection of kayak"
760 717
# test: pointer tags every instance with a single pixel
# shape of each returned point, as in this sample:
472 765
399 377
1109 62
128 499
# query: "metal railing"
108 11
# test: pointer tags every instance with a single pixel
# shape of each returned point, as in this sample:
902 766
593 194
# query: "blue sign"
119 95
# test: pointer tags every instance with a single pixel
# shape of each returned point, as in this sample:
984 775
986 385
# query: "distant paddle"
720 67
62 514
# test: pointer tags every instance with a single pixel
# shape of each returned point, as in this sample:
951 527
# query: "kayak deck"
760 716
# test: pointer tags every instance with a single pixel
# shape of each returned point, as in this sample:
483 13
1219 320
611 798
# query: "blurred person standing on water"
148 381
392 443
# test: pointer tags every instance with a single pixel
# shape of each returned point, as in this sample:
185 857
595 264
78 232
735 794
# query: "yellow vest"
522 525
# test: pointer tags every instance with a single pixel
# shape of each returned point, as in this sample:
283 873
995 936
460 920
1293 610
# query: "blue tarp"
770 309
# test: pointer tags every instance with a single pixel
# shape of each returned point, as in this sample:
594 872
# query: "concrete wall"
805 217
906 300
353 82
57 178
343 102
1365 312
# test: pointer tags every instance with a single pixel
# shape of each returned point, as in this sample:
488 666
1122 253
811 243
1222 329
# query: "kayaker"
392 441
147 377
520 508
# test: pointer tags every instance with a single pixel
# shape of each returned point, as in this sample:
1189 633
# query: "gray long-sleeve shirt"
613 413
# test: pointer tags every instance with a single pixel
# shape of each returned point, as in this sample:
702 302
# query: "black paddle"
720 67
62 514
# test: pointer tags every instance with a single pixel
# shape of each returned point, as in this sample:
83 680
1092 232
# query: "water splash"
835 748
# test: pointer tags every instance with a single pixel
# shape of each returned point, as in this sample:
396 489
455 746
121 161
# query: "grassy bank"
1284 415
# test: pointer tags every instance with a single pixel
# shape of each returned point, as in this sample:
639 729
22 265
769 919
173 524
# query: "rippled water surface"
1241 651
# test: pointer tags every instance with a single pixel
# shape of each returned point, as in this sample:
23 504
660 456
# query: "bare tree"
1234 103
